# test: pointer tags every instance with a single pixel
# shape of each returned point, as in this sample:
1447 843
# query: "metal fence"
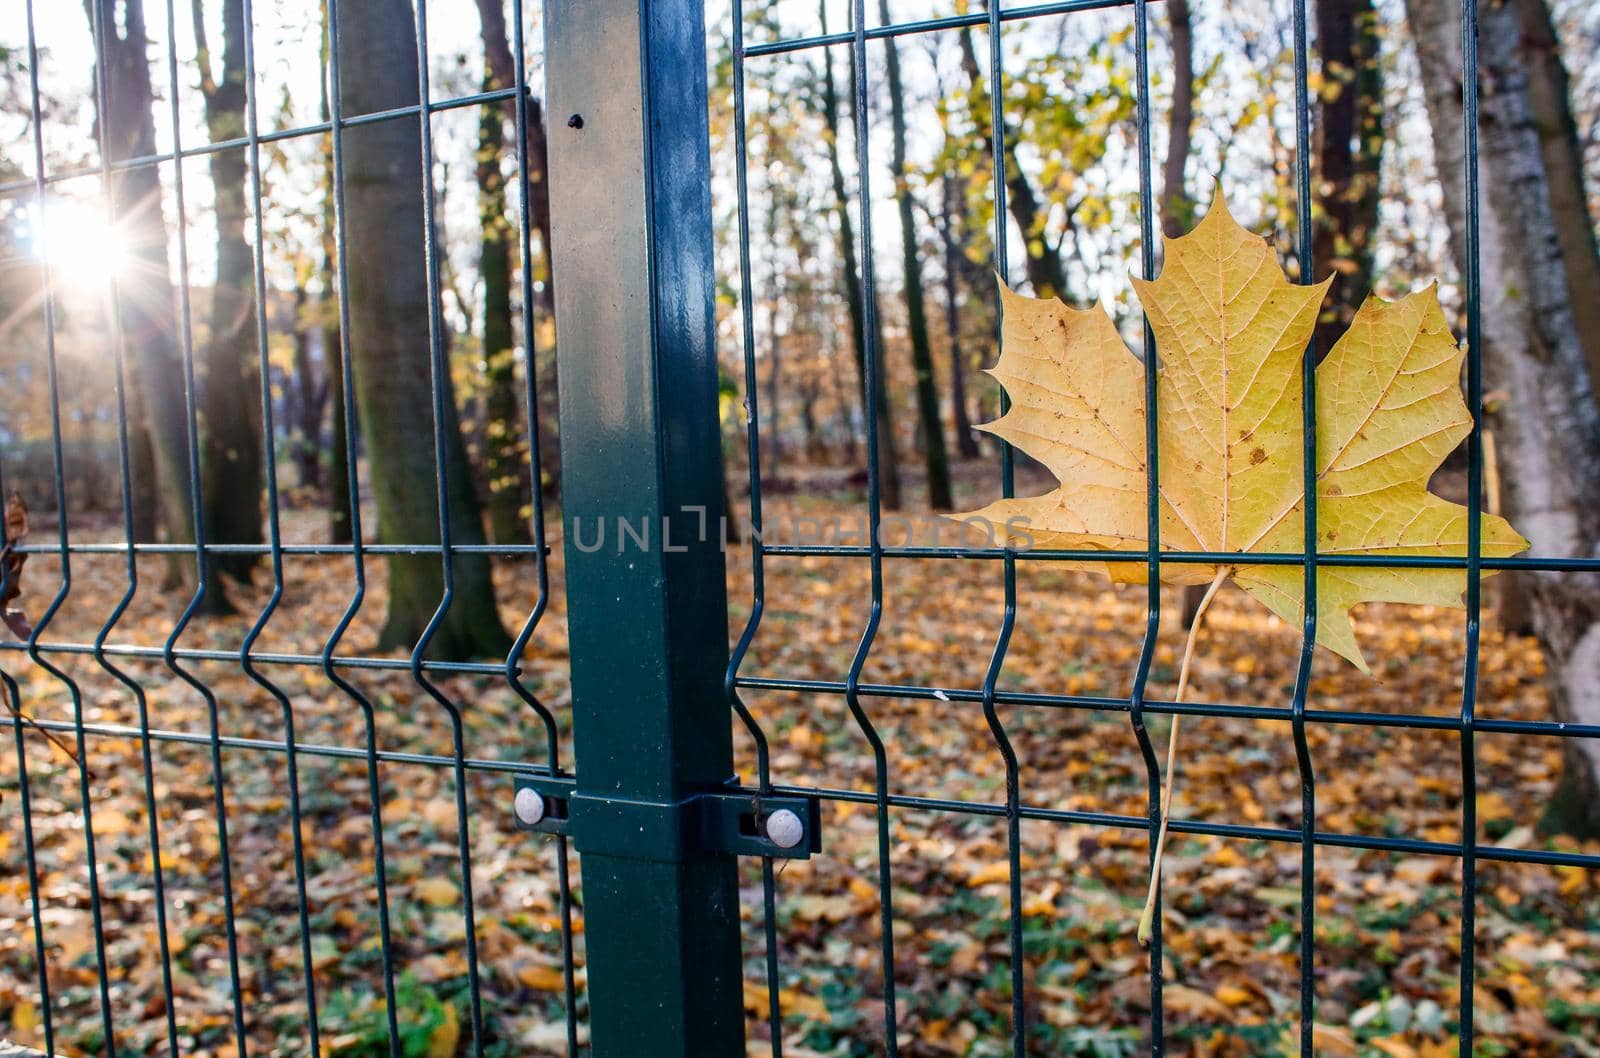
134 665
1136 704
652 805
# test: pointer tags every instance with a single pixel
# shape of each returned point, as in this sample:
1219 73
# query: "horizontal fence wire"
1298 713
933 25
317 128
1547 564
173 660
302 747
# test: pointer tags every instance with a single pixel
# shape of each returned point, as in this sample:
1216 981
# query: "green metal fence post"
647 604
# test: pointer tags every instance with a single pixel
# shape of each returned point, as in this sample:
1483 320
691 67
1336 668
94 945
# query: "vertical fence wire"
1152 626
30 853
513 667
1469 675
85 796
1309 467
1008 622
769 911
184 309
131 570
874 384
274 532
357 544
442 417
12 689
202 564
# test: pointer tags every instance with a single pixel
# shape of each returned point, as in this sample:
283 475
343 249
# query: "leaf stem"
50 736
1147 919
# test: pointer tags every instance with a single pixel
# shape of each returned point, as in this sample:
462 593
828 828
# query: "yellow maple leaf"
1231 333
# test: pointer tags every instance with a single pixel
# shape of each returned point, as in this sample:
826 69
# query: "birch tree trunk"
1548 428
1550 97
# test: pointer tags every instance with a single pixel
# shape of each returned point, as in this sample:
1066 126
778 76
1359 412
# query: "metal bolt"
785 829
529 806
575 121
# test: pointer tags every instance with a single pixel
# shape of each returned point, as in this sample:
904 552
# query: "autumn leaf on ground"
11 563
1231 333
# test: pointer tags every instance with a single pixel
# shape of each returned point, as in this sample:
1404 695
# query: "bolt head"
785 828
529 806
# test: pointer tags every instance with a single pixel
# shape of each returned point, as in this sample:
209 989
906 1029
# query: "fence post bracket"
733 821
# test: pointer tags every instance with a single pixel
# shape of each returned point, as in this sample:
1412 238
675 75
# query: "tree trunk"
340 516
1550 97
310 396
504 454
966 437
1043 261
145 302
389 306
772 465
1177 208
1349 150
855 296
809 392
230 436
501 66
888 454
144 491
936 456
843 409
539 192
545 381
1548 430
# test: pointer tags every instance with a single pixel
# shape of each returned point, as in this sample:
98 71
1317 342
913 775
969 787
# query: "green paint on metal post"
630 182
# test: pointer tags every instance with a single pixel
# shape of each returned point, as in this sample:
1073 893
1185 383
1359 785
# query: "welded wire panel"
245 818
893 810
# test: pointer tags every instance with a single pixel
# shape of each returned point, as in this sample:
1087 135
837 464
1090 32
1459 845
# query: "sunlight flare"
83 250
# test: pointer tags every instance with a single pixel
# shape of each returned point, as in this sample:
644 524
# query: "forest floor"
1387 925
